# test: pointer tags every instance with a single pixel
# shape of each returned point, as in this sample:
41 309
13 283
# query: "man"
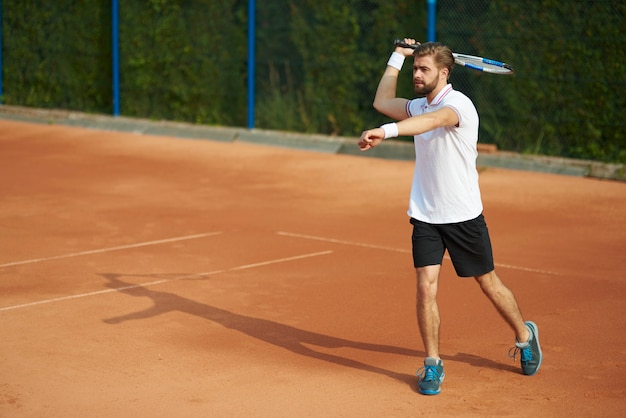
445 204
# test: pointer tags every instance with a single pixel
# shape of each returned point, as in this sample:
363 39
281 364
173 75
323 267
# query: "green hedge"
567 96
318 64
183 60
57 54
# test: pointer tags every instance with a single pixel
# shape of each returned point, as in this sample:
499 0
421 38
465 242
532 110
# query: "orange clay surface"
158 277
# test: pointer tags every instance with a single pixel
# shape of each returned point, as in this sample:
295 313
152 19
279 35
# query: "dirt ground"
161 277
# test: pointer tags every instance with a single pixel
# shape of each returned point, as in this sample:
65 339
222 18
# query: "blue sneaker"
430 377
530 351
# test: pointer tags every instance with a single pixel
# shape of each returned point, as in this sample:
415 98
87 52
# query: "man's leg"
429 377
527 333
427 308
504 301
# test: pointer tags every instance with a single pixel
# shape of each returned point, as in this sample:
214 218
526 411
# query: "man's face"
426 76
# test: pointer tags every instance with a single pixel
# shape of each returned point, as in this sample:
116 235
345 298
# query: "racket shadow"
280 335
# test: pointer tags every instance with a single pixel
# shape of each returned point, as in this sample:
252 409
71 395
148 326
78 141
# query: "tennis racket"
470 61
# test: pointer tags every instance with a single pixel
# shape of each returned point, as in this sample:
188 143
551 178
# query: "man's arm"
385 100
415 125
446 116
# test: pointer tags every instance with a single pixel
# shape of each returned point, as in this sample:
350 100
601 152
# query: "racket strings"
471 61
483 64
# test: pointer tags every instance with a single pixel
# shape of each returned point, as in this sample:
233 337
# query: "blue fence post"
115 50
431 8
251 59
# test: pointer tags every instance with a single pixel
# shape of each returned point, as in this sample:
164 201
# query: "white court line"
134 286
379 247
106 250
336 241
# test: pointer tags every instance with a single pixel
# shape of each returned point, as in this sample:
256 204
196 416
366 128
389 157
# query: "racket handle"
401 43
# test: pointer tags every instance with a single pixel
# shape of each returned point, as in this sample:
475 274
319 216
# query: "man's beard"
426 89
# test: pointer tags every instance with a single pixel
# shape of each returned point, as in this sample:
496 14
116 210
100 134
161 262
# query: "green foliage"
182 60
567 95
319 68
53 60
318 64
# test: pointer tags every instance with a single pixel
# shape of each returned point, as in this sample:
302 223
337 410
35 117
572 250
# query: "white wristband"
391 130
396 60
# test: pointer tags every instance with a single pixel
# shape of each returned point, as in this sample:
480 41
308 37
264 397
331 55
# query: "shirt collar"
439 97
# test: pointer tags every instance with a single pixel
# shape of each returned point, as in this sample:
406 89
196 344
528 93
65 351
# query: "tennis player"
445 204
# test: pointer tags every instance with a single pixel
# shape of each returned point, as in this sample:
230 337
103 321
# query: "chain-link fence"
566 97
317 64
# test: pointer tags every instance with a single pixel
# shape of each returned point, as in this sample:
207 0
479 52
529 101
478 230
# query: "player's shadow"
277 334
280 335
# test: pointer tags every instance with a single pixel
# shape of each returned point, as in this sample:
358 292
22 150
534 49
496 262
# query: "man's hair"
442 55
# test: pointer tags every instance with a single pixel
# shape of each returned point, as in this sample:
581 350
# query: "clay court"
163 277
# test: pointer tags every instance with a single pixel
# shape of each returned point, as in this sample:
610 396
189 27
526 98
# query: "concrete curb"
397 150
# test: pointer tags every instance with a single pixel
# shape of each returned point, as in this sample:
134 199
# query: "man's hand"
407 52
371 138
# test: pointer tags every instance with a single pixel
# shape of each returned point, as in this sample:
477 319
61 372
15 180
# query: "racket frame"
491 66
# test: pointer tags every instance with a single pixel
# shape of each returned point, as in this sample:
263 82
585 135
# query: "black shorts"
468 245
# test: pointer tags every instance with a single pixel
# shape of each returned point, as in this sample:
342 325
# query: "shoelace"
429 373
526 354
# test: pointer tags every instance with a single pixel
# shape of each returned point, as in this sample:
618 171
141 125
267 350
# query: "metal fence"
313 66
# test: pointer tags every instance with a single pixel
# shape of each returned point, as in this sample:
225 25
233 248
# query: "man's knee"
427 280
489 282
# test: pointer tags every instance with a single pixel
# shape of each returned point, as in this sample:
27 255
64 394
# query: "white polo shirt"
445 181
